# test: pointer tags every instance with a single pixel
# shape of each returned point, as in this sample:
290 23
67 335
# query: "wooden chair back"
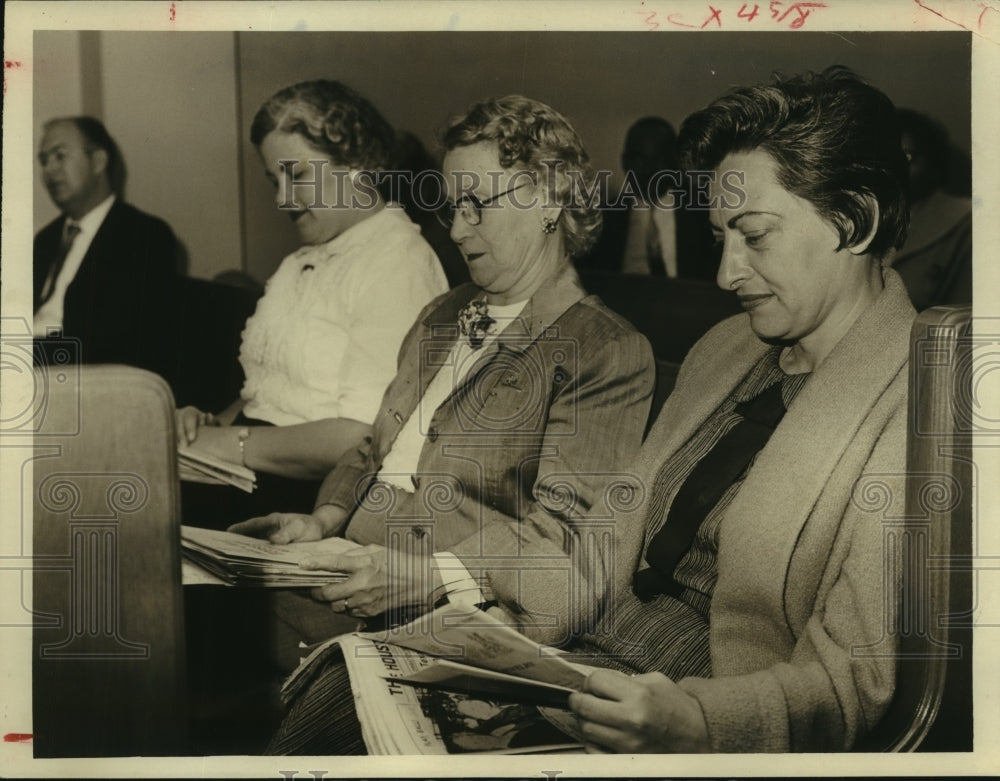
108 675
932 538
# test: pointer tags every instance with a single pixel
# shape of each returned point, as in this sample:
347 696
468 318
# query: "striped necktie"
71 230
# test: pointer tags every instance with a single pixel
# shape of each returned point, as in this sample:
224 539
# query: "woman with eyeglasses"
517 399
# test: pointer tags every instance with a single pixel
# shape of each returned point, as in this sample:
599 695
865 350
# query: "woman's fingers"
257 527
592 708
353 561
186 420
365 592
605 738
281 528
336 592
609 684
296 528
356 595
639 714
333 562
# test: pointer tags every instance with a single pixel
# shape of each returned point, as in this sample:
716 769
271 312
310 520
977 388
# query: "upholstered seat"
108 675
932 537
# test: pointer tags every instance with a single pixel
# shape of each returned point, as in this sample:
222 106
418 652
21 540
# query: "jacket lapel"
690 404
541 312
437 337
46 249
793 469
422 358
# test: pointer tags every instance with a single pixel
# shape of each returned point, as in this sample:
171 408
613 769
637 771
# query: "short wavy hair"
835 140
533 136
333 118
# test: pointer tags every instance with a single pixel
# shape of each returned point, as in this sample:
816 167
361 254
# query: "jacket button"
416 483
432 434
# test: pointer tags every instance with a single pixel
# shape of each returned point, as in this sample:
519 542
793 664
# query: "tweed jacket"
799 651
524 447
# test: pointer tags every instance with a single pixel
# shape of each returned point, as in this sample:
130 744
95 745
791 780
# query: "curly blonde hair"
333 118
533 136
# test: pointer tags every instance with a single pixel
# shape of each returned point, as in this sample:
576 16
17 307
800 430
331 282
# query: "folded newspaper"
237 560
197 466
456 681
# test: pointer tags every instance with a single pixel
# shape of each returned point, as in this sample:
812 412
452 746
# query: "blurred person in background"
936 260
105 273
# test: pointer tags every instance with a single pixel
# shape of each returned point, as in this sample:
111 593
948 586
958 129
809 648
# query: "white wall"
58 92
170 101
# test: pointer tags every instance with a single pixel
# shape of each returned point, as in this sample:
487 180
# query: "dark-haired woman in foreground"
753 583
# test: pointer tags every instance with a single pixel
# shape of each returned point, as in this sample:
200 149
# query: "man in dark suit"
637 237
105 273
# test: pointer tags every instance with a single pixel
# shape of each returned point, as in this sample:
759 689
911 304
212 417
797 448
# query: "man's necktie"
703 489
70 231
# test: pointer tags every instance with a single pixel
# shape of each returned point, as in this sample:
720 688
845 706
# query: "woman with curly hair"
321 347
518 398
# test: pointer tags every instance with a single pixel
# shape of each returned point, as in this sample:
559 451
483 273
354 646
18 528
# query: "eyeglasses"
470 207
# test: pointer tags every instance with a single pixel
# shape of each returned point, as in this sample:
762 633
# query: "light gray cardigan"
800 656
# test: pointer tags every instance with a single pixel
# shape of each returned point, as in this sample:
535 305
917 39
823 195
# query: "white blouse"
324 338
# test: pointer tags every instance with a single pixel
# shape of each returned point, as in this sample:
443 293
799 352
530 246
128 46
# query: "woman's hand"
643 714
373 586
281 528
187 420
327 520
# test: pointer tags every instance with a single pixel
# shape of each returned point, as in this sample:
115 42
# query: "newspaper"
398 719
475 638
455 681
196 466
235 559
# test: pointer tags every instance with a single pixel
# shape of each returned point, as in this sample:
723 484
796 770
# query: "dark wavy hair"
96 136
532 136
333 118
835 140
